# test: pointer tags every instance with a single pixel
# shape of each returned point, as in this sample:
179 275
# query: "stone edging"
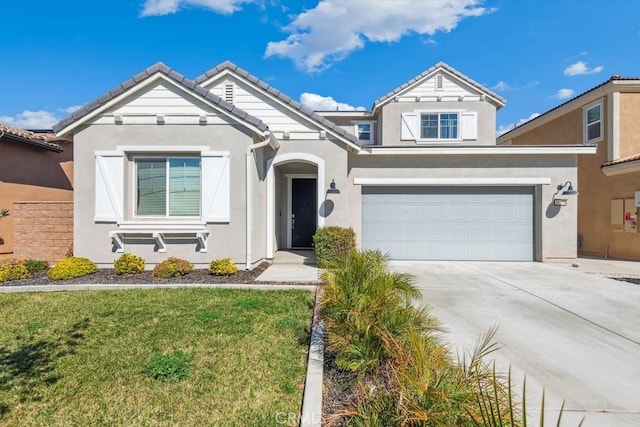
311 415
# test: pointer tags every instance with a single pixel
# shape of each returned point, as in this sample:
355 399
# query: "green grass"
83 358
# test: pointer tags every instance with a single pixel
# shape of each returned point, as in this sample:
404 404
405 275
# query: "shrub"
172 267
129 264
171 367
13 271
71 267
35 266
222 267
332 243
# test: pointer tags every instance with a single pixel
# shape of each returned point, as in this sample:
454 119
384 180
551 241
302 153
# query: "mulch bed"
108 276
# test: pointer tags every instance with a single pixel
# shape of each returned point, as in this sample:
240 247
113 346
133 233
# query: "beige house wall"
629 124
28 174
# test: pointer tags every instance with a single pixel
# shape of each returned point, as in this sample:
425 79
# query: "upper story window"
439 126
593 123
365 132
168 187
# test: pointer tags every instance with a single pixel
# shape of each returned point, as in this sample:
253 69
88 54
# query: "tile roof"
430 70
176 77
615 77
45 141
328 124
621 161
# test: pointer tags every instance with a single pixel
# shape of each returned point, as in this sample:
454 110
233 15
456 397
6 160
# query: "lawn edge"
311 415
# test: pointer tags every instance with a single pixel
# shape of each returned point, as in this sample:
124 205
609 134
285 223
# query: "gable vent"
228 92
439 82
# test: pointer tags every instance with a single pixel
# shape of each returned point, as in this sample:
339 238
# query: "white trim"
622 168
290 177
486 150
271 191
613 126
451 181
372 129
585 132
148 82
167 149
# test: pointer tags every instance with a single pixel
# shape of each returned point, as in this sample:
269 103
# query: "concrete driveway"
577 335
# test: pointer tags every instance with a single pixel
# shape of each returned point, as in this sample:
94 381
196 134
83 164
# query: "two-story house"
228 166
609 182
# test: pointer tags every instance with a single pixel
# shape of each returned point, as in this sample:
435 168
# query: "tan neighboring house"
226 165
607 116
36 186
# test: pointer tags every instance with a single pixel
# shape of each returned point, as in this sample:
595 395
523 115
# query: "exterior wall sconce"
332 188
570 191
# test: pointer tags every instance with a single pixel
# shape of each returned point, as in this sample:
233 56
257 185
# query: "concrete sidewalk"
291 266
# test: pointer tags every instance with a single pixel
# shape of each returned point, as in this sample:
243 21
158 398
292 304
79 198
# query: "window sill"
159 225
438 141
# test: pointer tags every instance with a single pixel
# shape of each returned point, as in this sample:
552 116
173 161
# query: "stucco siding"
556 230
629 124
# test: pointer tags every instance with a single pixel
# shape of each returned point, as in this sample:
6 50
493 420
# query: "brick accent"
42 230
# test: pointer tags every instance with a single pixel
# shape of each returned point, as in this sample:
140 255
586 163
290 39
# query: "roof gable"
430 73
144 79
228 68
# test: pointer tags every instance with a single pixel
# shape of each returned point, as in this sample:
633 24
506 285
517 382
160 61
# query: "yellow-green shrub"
71 267
332 243
172 267
129 264
222 267
13 271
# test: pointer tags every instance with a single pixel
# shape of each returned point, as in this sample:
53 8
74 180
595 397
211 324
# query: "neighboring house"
608 117
228 166
36 171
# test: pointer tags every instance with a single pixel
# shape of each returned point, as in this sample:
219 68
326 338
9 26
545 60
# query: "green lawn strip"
79 357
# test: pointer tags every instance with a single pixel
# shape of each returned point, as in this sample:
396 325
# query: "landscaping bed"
153 357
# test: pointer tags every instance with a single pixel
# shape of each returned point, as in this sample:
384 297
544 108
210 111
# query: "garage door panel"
456 223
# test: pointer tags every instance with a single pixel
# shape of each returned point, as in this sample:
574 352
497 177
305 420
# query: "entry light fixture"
570 191
332 188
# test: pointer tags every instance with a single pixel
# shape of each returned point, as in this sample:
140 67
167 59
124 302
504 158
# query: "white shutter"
216 186
109 189
469 125
410 126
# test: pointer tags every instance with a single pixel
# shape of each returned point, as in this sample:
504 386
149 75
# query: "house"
609 182
228 166
36 176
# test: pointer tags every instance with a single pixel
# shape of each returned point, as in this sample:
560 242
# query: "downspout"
249 205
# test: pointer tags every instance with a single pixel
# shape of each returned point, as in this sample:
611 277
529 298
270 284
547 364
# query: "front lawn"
88 358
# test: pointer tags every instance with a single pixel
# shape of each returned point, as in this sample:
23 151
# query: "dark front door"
303 212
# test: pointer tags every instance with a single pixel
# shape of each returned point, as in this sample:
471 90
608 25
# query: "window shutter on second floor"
410 126
468 125
109 191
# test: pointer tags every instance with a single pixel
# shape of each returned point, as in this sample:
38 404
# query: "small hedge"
222 267
71 267
172 267
129 264
35 266
13 271
333 243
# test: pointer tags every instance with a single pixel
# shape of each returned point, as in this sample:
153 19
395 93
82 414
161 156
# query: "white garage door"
449 223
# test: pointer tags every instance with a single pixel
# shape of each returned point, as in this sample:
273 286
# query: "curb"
113 287
311 415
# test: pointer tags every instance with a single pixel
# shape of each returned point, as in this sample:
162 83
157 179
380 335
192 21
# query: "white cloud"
335 28
325 103
31 120
581 67
501 86
166 7
70 110
506 128
564 93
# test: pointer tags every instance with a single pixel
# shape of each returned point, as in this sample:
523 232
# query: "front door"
303 212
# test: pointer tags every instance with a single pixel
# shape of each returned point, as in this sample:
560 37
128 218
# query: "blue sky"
327 53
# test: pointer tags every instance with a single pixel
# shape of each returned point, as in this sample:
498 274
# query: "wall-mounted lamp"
332 188
569 191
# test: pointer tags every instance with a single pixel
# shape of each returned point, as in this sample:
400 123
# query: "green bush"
222 267
13 271
35 266
171 367
129 264
332 243
71 267
172 267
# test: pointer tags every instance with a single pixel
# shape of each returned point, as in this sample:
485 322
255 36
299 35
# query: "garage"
449 223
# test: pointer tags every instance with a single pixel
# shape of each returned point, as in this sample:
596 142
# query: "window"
364 131
439 126
593 123
168 187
